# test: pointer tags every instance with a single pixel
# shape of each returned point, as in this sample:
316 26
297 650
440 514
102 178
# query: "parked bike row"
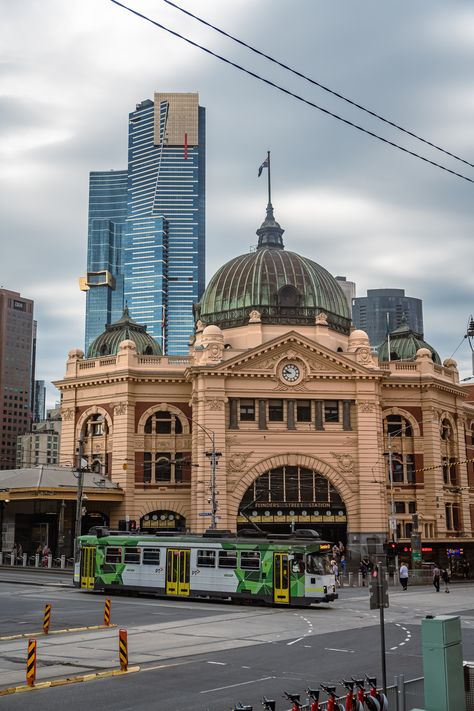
360 695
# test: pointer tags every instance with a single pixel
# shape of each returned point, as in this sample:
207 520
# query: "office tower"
42 444
16 333
160 264
349 289
382 311
39 402
104 280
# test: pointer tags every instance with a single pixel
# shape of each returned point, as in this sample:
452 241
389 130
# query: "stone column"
291 415
346 415
262 414
319 421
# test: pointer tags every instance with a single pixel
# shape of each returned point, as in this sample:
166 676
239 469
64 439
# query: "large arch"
163 407
94 410
415 426
175 505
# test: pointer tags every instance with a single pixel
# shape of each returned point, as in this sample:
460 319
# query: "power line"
318 84
291 93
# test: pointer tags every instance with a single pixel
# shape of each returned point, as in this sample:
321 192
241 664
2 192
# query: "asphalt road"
203 656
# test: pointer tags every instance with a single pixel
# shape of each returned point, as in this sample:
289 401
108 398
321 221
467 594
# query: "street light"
214 457
79 495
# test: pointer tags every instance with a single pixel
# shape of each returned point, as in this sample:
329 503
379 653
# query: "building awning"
44 482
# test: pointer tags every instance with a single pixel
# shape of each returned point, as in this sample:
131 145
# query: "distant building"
349 289
41 445
39 402
16 333
146 243
382 310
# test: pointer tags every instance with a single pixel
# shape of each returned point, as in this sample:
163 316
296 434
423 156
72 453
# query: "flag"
264 165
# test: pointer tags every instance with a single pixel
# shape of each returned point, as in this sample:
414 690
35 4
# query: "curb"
69 680
35 582
24 635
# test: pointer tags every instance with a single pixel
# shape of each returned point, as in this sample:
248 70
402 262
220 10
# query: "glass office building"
163 233
382 310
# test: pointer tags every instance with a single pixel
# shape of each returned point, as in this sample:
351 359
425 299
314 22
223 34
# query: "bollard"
12 558
31 663
46 618
50 561
401 692
37 560
1 558
107 605
350 581
63 562
25 560
123 650
359 580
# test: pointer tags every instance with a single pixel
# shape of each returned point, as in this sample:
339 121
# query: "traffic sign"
204 513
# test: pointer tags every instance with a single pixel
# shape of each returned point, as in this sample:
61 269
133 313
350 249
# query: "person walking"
364 568
403 576
445 576
436 577
335 572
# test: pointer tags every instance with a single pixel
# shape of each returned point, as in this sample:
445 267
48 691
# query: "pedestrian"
364 568
45 553
335 551
335 572
465 570
403 576
436 577
343 564
341 548
445 576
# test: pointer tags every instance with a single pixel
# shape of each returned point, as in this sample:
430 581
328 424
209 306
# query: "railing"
87 364
108 361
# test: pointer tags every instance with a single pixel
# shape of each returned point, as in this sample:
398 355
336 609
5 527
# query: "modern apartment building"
16 333
41 445
148 249
382 311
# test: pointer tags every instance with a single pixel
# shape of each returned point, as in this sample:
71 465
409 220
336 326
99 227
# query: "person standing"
335 572
436 577
364 568
403 576
445 576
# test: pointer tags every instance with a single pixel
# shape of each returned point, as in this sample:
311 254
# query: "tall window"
163 458
163 422
399 441
331 411
247 410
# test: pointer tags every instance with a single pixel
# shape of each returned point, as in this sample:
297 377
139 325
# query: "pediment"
317 359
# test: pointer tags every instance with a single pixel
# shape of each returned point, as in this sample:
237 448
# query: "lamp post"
214 457
80 488
393 518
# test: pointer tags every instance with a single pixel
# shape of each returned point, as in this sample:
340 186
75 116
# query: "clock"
290 372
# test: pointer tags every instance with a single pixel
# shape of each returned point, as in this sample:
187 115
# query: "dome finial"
270 233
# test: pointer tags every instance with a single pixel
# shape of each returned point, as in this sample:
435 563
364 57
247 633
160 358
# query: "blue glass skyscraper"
163 245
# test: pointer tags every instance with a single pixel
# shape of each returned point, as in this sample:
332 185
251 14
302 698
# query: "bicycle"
268 704
332 702
313 697
295 700
374 693
366 700
353 702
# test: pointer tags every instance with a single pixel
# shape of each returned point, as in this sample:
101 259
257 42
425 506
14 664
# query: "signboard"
204 513
393 522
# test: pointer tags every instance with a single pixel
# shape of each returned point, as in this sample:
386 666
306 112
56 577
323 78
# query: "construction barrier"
31 663
46 618
107 612
123 650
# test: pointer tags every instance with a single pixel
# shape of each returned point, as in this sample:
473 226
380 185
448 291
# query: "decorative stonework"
215 404
255 317
120 408
318 366
300 387
364 356
238 461
67 414
345 462
366 405
321 319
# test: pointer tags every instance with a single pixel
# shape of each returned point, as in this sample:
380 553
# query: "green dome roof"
283 286
404 344
125 329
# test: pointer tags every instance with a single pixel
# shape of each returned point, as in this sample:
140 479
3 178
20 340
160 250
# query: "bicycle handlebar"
328 689
269 704
348 684
313 693
360 683
372 681
294 698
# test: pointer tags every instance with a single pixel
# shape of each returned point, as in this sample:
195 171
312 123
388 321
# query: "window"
331 411
397 470
250 560
163 466
227 559
399 507
163 422
151 556
131 555
412 507
275 410
398 426
206 559
113 555
247 410
303 410
410 467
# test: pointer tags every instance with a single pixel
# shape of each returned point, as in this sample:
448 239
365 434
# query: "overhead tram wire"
318 84
291 93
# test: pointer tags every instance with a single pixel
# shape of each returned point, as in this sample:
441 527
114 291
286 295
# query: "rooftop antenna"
470 338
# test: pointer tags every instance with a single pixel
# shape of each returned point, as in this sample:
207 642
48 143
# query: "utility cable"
318 84
291 93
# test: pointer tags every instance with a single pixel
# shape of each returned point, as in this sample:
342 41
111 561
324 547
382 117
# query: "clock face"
290 372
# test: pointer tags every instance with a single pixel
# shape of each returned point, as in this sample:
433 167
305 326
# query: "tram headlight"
325 589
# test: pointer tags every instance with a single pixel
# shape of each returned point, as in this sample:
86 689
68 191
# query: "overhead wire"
288 92
318 84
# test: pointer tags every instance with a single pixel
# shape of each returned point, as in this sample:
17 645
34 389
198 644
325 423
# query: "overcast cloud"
71 71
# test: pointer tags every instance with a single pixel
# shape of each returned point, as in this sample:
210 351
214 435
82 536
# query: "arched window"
163 456
104 349
288 295
163 422
97 444
399 449
448 453
398 426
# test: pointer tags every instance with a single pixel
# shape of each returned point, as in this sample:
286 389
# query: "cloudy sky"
71 72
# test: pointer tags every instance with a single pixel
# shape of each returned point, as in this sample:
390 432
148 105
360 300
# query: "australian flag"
264 165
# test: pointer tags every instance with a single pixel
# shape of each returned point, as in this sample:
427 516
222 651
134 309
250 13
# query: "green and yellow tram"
289 570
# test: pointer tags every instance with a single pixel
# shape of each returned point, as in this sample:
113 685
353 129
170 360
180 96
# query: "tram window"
275 410
151 556
227 559
247 410
331 411
131 555
113 555
206 559
317 565
250 560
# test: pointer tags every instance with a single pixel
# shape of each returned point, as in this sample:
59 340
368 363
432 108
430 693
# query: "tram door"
88 567
281 578
177 571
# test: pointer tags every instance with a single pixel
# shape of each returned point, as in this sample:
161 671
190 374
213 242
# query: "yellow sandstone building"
306 427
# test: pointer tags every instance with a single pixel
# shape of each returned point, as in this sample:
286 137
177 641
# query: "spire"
270 233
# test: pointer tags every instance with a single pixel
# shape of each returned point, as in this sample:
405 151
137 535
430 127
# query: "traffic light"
132 525
391 548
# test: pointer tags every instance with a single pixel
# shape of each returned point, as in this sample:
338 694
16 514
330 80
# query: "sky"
70 72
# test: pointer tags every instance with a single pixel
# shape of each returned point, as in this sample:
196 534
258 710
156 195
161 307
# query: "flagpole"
269 180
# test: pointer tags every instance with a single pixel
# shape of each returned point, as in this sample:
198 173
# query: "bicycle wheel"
383 703
372 704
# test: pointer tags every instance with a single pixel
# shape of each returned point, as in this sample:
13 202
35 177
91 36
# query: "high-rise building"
153 257
349 289
16 332
39 402
42 444
382 311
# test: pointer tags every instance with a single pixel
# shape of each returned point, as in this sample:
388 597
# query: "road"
208 655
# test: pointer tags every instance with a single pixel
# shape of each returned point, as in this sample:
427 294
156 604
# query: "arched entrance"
157 521
294 497
93 518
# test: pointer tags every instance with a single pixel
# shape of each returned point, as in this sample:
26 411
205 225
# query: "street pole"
80 487
393 521
213 483
380 584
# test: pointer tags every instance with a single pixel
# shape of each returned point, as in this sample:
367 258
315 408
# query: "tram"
279 569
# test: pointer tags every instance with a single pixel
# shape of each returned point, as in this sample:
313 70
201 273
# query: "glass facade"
150 252
370 313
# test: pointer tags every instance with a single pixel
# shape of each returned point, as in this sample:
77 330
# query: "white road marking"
242 683
288 644
221 664
333 649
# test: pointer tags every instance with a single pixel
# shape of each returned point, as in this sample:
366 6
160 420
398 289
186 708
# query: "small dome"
358 337
212 330
450 363
124 330
282 286
75 353
405 344
424 353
